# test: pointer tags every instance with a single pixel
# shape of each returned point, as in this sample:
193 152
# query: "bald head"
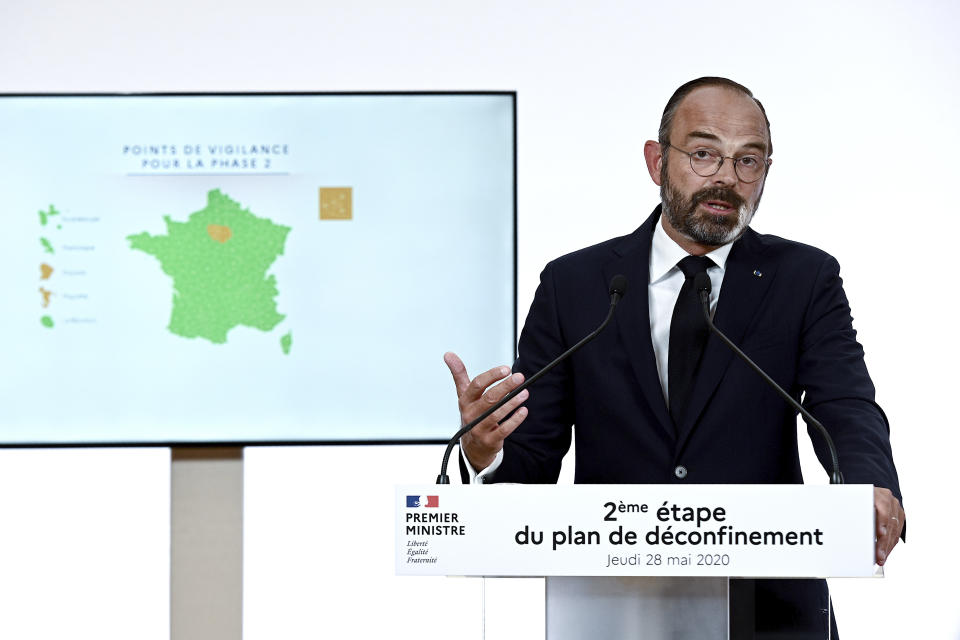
673 104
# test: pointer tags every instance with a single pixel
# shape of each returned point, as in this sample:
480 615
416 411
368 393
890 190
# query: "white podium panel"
636 530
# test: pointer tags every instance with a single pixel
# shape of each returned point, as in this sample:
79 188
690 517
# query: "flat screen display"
250 269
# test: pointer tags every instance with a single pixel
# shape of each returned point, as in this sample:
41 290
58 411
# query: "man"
652 407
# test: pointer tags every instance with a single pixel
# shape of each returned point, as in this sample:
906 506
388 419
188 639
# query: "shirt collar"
665 254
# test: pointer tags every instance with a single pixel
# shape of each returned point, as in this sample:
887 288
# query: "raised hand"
482 444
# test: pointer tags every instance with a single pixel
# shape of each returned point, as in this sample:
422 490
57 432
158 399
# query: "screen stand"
206 543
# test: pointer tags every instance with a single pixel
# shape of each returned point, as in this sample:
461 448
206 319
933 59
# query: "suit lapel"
633 318
740 296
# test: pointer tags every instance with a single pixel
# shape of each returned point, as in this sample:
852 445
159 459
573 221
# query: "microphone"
701 284
617 290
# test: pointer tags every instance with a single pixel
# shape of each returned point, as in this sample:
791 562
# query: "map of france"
218 260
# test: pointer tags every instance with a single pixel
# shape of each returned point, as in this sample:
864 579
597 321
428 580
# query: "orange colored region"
46 297
336 203
219 232
45 271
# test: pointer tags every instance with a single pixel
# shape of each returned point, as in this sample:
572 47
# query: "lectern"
638 561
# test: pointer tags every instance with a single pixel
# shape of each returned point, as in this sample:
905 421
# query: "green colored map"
286 341
47 321
218 260
47 245
46 215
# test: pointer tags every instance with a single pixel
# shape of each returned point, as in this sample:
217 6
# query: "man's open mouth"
718 206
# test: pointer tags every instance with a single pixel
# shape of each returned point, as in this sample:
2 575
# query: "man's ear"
653 154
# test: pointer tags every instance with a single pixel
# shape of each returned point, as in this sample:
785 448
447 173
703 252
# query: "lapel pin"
757 273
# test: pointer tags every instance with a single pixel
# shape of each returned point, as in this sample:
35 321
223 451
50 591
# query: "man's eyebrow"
759 146
703 135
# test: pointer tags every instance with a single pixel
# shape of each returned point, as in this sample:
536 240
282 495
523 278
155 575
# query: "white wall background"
863 98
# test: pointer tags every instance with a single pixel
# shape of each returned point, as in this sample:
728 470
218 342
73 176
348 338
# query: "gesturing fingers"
476 396
477 389
471 390
486 439
480 397
501 414
507 426
458 370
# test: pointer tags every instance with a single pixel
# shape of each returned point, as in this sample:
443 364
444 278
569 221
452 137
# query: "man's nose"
727 174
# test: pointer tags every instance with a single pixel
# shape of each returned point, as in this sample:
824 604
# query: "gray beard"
705 229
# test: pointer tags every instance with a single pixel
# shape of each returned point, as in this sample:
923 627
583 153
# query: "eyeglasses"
706 162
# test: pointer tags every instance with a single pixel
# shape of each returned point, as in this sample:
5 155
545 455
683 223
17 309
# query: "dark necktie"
688 337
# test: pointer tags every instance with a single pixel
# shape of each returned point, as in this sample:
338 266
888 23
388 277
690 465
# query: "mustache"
725 194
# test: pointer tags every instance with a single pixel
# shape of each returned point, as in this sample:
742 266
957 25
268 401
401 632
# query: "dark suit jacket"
783 303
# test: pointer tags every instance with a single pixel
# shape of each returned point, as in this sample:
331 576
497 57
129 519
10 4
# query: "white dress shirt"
663 288
666 279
